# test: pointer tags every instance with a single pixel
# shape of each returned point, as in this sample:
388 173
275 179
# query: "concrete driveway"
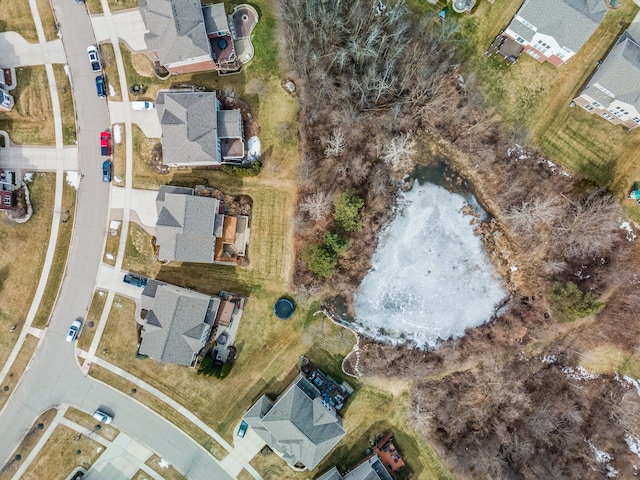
147 120
15 51
244 449
106 278
40 159
127 25
143 203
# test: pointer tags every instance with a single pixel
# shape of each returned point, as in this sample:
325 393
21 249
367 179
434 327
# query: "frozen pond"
431 277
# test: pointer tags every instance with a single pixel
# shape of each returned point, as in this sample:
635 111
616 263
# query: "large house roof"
570 22
189 127
619 74
297 425
185 226
175 29
215 18
177 323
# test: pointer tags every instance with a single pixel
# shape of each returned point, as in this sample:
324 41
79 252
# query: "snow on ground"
117 133
431 277
603 458
633 441
163 463
109 256
253 148
117 179
28 177
578 373
112 91
631 236
73 179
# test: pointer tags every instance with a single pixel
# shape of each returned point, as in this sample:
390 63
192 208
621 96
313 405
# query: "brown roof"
229 228
224 314
218 249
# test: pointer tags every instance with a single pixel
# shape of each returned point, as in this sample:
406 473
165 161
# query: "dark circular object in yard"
222 339
5 388
78 452
40 426
222 43
18 457
283 309
90 324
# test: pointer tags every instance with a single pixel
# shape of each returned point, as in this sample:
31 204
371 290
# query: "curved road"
53 376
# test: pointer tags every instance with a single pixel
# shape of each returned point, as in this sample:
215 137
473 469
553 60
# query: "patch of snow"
554 168
253 149
578 373
603 458
631 236
163 463
431 277
628 382
117 179
379 8
112 91
101 293
117 133
549 359
28 177
73 179
109 256
99 449
513 268
633 441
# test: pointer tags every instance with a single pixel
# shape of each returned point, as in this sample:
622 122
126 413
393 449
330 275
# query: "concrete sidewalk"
147 120
127 25
15 51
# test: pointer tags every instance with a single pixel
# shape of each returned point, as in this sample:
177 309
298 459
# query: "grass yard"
162 408
60 257
91 322
67 106
31 119
48 21
609 360
21 260
17 368
108 59
95 7
16 17
533 99
168 473
87 421
28 443
59 456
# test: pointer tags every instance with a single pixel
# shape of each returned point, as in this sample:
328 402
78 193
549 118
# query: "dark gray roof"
175 29
619 73
185 226
229 124
371 469
215 18
570 22
332 474
189 128
298 425
177 324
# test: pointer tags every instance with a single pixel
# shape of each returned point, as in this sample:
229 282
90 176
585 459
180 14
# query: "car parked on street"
102 417
74 330
101 87
105 143
92 52
106 171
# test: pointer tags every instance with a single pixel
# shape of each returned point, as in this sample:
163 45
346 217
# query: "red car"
105 143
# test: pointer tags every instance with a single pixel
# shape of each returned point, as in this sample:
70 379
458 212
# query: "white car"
102 417
93 58
142 105
74 330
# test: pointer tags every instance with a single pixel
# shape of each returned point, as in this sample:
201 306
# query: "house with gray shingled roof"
192 228
176 36
297 426
177 323
196 132
554 30
613 90
370 468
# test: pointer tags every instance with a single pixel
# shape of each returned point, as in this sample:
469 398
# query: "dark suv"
135 280
101 87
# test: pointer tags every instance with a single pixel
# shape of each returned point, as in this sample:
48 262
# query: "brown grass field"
87 421
67 106
108 59
59 456
24 249
95 311
16 17
31 119
47 19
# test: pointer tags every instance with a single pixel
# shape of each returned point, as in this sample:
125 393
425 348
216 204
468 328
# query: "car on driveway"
135 280
105 144
102 417
101 87
106 171
93 58
142 105
74 330
243 429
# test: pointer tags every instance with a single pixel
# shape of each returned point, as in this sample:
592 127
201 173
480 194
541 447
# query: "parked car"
105 143
93 58
74 330
102 417
142 105
135 280
106 171
243 429
101 87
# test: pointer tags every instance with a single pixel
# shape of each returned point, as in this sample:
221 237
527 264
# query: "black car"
135 280
101 88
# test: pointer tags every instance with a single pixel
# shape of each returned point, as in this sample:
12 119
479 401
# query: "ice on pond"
431 277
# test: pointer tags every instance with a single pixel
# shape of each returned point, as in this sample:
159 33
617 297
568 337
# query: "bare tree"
398 153
530 216
336 144
317 205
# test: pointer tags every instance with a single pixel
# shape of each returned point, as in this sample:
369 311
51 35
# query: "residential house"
7 189
6 99
297 426
192 228
613 90
196 132
554 30
185 36
177 322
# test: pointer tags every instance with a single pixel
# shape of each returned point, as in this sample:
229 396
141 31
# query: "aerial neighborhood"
258 273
